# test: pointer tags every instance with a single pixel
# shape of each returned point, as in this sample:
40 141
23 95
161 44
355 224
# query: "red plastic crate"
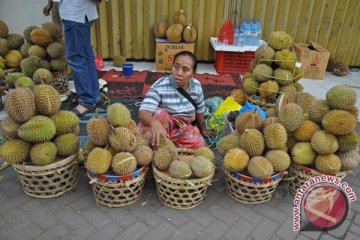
233 62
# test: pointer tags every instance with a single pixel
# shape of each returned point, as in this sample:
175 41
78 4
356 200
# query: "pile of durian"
273 70
317 133
113 145
33 55
36 132
202 164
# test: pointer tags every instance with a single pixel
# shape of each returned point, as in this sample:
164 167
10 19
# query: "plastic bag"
226 34
249 107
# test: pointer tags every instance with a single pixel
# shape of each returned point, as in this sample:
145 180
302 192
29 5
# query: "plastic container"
233 62
128 69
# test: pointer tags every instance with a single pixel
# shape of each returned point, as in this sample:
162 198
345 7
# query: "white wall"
19 14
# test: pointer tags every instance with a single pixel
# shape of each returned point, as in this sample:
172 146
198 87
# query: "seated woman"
167 113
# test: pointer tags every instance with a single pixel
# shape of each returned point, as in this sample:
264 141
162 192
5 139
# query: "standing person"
77 17
53 7
166 112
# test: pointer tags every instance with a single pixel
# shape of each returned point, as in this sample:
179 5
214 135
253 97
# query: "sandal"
87 109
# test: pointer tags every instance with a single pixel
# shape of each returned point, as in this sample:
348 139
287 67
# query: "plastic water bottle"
236 36
254 30
247 33
258 33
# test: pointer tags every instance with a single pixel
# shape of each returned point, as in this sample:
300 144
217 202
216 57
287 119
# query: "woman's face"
182 71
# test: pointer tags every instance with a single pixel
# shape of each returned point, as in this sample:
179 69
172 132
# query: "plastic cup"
128 69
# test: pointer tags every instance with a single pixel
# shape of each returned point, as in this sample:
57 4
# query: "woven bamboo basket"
50 180
181 194
250 190
60 81
298 175
118 191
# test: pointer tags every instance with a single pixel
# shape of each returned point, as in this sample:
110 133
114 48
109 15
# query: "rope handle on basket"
94 180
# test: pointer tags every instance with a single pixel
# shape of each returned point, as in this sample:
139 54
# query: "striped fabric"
163 94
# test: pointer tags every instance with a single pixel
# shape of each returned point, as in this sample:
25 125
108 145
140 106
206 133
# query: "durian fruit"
25 82
37 129
4 46
29 65
65 122
291 141
202 166
262 72
287 89
9 127
189 34
143 155
55 50
20 104
269 89
58 64
15 40
13 59
339 122
174 33
47 100
235 160
297 74
11 78
227 142
2 73
269 121
239 96
205 152
341 69
298 87
14 151
341 97
43 154
132 127
354 111
180 170
306 130
123 163
40 37
25 49
86 149
53 29
283 76
98 130
279 159
163 157
252 142
27 32
37 51
160 29
164 143
121 139
304 100
283 99
67 144
275 136
285 59
4 30
260 167
248 120
349 160
119 60
317 110
42 75
142 140
2 61
302 153
280 40
348 142
44 64
118 115
324 143
98 161
291 116
328 164
250 86
265 54
270 112
180 18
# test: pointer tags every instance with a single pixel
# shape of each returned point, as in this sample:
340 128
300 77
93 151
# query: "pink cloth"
179 128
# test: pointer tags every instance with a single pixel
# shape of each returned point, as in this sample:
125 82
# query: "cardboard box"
314 59
165 51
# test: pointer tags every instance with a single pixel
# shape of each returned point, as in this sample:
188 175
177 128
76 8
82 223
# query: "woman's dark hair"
189 54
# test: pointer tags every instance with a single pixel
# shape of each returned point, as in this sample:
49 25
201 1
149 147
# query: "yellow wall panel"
126 26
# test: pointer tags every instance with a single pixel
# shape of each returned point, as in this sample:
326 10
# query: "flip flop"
88 109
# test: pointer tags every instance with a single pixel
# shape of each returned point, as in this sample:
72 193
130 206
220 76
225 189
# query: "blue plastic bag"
250 107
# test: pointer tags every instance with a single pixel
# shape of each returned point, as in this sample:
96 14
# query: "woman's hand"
207 133
47 8
157 130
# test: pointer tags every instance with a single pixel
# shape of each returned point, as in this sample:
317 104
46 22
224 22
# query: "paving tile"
351 236
122 217
45 219
176 217
54 233
227 216
11 187
272 212
96 217
29 232
240 230
17 219
82 233
187 232
325 236
311 234
161 232
111 231
215 230
134 232
147 216
260 233
286 230
200 216
71 218
354 228
247 212
6 231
